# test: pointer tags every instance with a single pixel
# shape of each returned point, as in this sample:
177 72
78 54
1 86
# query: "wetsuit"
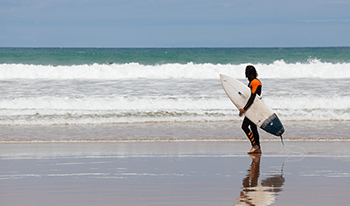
252 133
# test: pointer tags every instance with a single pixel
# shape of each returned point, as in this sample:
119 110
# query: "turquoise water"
159 56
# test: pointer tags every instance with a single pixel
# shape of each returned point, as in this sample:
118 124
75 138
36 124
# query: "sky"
174 23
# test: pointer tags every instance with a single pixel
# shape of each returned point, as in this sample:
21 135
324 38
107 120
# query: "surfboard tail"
273 125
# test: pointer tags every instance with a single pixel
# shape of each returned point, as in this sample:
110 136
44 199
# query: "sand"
171 173
174 172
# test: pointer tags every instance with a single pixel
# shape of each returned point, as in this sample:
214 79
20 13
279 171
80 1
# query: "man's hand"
241 112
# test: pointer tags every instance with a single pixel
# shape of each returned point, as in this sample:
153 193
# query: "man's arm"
254 88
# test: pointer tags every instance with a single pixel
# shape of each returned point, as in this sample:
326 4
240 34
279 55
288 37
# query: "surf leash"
305 152
282 140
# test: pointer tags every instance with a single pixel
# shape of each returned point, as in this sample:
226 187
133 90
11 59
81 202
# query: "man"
248 126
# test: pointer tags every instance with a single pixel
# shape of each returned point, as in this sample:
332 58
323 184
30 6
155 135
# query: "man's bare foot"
255 157
255 149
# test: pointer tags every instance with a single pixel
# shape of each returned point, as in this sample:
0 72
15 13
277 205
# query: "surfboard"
259 113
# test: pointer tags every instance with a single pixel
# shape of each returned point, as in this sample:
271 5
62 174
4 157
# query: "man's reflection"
259 194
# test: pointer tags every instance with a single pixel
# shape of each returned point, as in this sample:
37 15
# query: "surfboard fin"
282 140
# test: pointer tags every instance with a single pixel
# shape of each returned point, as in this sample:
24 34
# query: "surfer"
249 128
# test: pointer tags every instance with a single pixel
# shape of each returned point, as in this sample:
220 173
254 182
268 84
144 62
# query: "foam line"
278 69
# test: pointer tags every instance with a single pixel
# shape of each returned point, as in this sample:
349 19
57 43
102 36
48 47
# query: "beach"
167 171
154 126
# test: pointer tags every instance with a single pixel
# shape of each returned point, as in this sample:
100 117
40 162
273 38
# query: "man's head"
250 72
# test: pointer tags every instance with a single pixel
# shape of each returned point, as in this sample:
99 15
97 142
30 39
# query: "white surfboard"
259 113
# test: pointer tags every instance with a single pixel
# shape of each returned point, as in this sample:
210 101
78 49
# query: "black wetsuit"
252 133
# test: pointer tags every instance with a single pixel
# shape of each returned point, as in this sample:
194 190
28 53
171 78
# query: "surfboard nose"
223 77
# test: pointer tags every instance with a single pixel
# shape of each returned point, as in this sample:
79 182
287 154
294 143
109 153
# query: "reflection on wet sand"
257 194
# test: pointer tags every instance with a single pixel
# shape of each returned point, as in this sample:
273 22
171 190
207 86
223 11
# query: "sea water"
98 86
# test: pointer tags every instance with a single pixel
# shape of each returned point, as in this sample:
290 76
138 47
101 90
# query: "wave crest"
278 69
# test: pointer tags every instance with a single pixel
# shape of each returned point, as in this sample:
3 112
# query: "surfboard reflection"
257 194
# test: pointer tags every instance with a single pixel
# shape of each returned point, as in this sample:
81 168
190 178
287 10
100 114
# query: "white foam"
278 69
116 103
54 110
309 102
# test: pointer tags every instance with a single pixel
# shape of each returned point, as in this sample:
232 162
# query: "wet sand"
295 131
174 173
173 164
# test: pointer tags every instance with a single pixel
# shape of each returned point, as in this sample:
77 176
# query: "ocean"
118 86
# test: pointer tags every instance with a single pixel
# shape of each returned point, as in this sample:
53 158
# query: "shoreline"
172 173
194 131
173 148
173 140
